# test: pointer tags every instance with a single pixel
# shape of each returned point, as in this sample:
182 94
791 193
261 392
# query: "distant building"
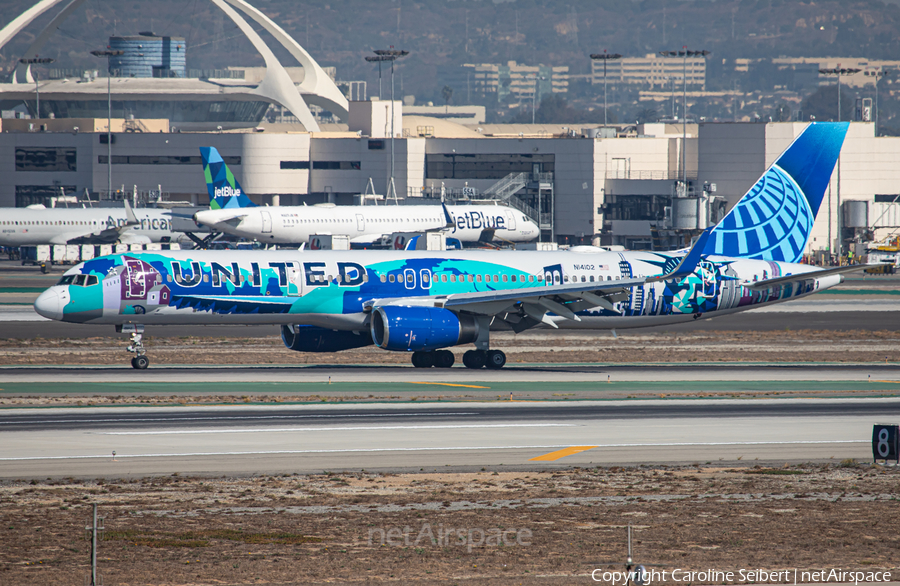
516 81
147 55
653 71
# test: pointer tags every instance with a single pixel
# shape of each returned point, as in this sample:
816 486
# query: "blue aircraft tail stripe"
774 219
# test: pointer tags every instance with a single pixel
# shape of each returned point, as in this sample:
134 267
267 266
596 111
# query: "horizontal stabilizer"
769 283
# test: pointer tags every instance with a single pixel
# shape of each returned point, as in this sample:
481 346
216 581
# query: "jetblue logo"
227 191
478 221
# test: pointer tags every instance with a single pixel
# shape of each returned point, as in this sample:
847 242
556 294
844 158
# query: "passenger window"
383 278
444 278
513 278
478 278
471 279
566 278
366 277
592 278
540 278
505 278
391 278
452 278
168 278
531 278
409 278
583 279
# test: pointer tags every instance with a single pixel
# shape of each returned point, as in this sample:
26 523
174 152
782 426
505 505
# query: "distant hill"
441 35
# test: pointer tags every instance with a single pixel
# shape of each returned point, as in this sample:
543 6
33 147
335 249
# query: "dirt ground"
475 528
534 347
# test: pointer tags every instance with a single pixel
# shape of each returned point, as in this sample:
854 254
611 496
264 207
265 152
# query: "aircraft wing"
527 307
108 235
769 283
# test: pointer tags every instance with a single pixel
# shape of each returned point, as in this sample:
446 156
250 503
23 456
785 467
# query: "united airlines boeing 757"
232 212
424 302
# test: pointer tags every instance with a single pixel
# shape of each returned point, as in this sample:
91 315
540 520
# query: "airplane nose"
49 305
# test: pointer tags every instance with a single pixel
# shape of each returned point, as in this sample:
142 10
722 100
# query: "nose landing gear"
140 360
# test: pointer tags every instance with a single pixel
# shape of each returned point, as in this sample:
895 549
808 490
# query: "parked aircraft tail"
774 219
224 189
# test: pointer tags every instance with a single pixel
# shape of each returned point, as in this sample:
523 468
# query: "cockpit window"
79 280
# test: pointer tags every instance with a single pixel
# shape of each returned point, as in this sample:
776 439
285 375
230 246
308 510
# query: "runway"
410 437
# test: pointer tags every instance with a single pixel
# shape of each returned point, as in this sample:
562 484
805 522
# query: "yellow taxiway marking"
563 453
449 385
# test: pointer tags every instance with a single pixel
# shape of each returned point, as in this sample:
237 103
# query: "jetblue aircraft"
232 212
424 302
36 225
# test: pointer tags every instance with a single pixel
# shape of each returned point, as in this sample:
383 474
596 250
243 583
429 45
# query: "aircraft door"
266 222
294 280
360 222
510 220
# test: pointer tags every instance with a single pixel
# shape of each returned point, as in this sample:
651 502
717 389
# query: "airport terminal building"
649 186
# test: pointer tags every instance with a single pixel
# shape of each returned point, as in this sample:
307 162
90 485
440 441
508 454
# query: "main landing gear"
492 359
140 360
438 359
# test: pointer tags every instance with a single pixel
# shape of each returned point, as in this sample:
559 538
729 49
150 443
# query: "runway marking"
433 449
553 456
447 385
361 428
224 418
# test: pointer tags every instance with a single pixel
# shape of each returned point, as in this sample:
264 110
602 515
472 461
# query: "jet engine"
315 339
415 328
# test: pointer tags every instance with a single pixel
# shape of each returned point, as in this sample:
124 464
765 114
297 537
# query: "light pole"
877 74
534 92
108 53
37 91
838 72
605 57
389 55
684 54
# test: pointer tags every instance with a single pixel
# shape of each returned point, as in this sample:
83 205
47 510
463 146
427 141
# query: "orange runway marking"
450 385
563 453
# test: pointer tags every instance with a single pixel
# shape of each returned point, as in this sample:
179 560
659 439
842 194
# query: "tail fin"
224 189
774 219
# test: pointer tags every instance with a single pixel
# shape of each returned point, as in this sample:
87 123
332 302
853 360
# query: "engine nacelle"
315 339
414 328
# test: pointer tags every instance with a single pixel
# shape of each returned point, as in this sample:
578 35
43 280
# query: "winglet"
690 261
448 219
129 215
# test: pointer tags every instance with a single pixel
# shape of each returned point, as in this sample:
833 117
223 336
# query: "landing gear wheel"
423 359
444 359
496 359
140 362
475 359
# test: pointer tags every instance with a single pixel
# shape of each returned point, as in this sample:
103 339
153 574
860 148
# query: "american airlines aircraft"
232 212
424 302
36 225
